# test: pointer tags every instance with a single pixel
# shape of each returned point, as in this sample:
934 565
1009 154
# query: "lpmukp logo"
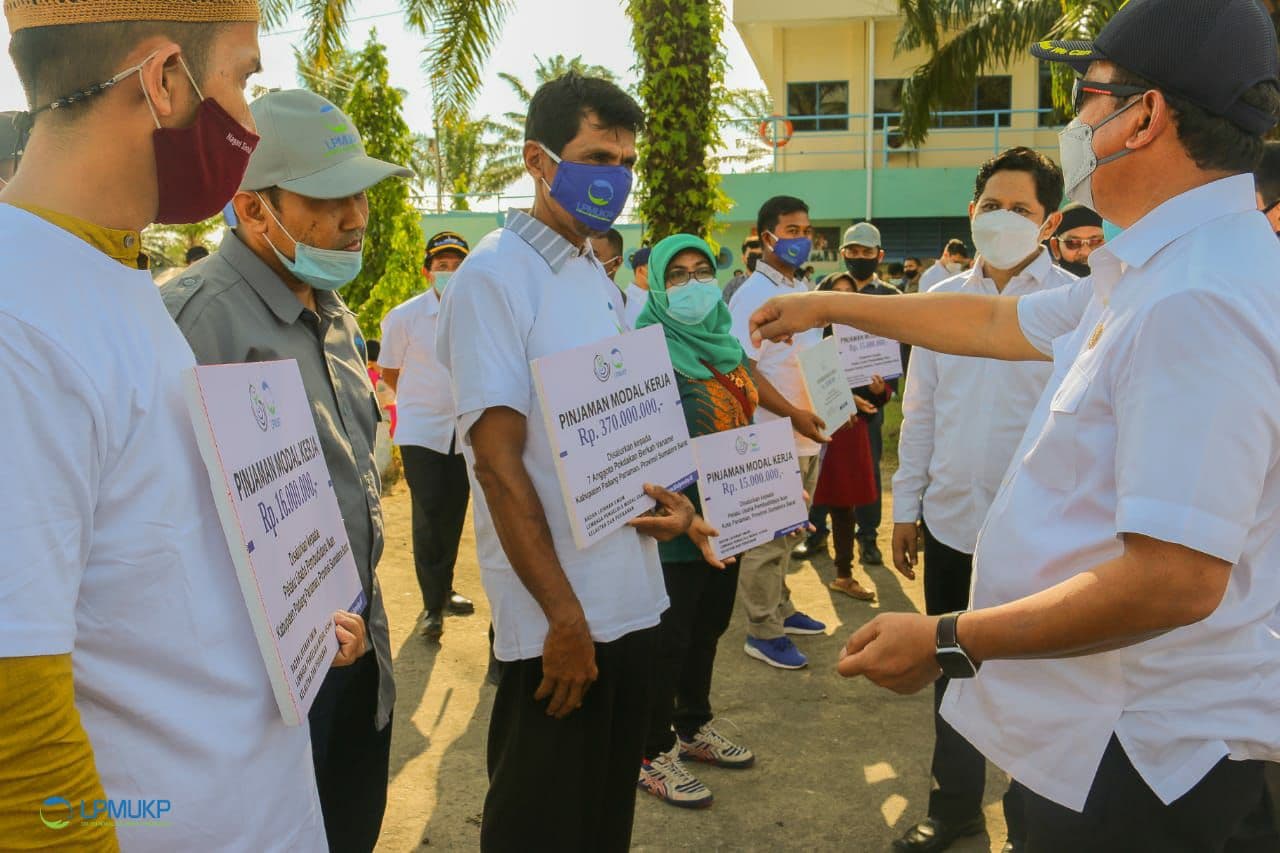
611 365
262 403
746 444
59 812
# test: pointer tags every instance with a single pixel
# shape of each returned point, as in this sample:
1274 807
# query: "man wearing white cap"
268 293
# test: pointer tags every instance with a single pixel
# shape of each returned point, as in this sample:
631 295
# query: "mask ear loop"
146 97
277 221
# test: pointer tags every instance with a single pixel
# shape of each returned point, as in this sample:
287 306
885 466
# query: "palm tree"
552 68
967 37
742 111
462 35
468 157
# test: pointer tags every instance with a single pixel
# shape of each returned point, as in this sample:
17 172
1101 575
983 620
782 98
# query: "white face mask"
953 267
1004 238
1079 162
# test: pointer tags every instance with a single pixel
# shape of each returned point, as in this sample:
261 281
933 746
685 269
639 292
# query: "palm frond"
1003 30
326 31
466 31
927 22
274 13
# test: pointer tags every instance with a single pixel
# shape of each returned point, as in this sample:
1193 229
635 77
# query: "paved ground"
842 765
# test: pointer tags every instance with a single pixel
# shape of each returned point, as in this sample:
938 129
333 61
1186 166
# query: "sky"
537 28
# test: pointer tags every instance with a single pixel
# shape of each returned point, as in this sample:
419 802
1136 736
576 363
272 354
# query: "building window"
1055 117
990 94
888 100
830 98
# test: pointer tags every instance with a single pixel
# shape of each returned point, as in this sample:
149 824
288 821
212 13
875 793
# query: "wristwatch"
955 662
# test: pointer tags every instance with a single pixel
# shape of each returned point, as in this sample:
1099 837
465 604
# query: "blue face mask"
593 195
692 303
442 279
793 251
323 269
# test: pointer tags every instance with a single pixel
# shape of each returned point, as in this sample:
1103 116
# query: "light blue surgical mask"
441 280
692 303
323 269
1110 230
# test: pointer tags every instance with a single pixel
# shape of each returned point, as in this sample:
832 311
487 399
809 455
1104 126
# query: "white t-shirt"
779 362
113 553
505 307
1121 442
424 397
637 298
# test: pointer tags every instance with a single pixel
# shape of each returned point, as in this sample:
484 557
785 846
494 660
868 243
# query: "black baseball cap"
1077 216
1208 52
447 241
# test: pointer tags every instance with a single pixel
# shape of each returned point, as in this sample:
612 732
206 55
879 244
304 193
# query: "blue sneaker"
780 652
799 623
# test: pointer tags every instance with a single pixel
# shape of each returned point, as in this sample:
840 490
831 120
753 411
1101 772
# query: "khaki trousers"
762 582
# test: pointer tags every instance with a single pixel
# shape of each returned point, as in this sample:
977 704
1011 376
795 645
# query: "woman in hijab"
717 394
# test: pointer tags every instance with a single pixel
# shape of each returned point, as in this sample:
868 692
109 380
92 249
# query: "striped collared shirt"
553 248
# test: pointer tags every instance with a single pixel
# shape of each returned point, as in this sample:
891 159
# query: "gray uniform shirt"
233 308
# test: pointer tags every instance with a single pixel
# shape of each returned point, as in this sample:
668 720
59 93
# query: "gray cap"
862 234
10 138
310 147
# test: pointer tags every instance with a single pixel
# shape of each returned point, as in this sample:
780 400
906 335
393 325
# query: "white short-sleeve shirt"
424 395
1122 442
113 553
778 362
524 292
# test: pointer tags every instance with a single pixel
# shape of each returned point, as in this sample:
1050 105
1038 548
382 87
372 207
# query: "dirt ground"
840 765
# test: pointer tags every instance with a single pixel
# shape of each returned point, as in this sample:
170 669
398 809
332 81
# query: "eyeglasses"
1075 244
1083 87
679 278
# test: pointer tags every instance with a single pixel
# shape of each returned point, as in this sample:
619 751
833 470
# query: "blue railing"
756 138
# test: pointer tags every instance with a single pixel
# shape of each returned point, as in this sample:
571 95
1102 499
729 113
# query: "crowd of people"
1097 545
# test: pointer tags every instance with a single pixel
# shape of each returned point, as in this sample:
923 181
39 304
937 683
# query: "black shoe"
459 606
432 625
813 545
931 835
871 555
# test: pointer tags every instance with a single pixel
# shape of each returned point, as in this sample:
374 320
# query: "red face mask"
200 167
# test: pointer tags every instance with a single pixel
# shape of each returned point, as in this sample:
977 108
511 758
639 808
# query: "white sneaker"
711 747
667 779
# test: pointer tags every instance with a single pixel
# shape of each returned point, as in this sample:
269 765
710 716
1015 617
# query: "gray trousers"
762 581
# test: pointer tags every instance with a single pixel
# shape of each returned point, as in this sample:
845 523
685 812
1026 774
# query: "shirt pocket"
1054 458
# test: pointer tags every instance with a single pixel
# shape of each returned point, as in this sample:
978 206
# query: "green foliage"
966 38
742 110
462 34
467 157
394 245
552 68
170 242
681 62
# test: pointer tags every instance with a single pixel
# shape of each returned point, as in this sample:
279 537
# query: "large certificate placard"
278 510
750 483
825 381
865 356
613 414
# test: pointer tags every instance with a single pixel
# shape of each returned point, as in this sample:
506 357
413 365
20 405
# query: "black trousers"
569 784
1123 815
868 515
959 770
439 489
351 756
701 606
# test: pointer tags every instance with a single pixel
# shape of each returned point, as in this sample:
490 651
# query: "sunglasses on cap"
1083 87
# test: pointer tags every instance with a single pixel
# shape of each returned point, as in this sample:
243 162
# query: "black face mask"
1076 268
907 275
861 268
751 262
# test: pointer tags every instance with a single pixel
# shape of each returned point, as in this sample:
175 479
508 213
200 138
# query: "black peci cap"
1077 216
1208 52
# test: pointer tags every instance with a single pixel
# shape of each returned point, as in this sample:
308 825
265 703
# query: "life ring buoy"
770 137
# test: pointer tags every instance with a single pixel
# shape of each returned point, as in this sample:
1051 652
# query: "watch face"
956 664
